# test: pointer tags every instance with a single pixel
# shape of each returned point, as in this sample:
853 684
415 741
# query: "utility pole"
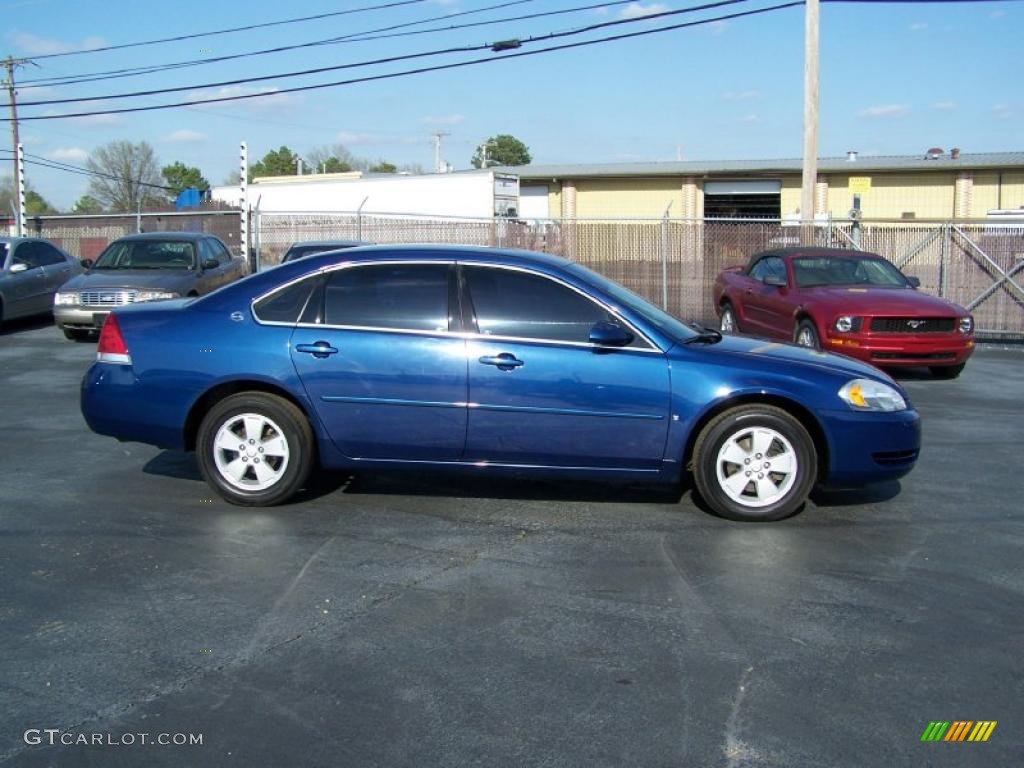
438 167
810 174
9 64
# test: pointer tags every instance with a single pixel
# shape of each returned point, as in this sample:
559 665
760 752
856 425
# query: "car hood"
176 281
754 350
864 300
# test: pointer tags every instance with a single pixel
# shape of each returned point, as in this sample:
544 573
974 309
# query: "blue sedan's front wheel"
754 463
255 448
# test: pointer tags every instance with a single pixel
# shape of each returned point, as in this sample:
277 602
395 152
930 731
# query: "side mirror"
915 282
19 267
87 263
210 264
775 280
610 335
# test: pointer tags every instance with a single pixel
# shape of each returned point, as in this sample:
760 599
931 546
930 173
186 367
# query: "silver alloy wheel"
756 466
728 324
805 338
250 452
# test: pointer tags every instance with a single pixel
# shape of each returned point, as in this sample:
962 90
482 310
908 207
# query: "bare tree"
334 158
127 175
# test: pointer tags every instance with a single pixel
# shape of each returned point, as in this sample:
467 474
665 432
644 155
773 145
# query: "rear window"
286 304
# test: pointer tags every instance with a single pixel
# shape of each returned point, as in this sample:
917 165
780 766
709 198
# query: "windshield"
838 270
147 254
626 298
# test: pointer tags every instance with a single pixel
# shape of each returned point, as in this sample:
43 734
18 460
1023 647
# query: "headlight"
847 323
154 295
966 324
870 395
63 299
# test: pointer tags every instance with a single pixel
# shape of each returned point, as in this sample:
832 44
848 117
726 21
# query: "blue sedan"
485 360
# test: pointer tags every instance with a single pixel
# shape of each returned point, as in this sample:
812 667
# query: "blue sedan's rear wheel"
754 463
255 448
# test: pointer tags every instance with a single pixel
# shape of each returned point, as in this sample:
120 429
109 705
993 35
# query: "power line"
58 165
246 28
354 37
422 70
386 60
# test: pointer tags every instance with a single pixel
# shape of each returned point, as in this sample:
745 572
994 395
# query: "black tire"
725 427
805 329
294 428
728 310
947 371
76 334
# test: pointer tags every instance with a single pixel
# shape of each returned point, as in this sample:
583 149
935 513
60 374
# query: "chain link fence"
674 262
671 262
85 237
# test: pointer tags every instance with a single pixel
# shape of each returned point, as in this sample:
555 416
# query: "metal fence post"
664 258
359 219
947 242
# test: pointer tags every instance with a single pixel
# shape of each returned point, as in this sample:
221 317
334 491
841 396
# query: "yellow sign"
860 184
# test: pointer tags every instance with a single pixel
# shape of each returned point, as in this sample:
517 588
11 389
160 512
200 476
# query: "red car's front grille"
913 324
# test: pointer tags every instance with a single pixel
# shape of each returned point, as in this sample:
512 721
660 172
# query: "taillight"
111 347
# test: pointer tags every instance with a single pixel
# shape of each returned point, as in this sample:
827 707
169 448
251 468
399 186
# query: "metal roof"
863 164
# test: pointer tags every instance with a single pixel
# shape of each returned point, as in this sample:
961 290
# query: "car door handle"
505 361
320 349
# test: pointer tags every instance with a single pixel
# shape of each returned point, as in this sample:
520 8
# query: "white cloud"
719 27
750 119
185 135
453 119
74 154
997 14
98 120
258 98
41 46
353 138
1002 111
740 95
944 106
885 110
919 26
639 10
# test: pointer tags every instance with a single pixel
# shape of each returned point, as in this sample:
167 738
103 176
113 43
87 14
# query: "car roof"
318 243
188 237
848 253
484 254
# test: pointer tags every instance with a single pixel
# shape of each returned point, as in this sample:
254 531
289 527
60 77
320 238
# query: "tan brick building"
930 186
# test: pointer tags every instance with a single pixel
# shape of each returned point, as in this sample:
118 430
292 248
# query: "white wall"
459 194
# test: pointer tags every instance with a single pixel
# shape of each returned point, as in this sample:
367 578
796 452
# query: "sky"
895 79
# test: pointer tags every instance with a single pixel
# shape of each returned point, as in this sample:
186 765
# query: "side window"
527 306
769 265
48 255
26 253
219 251
286 304
399 296
206 251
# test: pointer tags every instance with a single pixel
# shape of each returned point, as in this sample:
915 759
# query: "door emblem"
237 317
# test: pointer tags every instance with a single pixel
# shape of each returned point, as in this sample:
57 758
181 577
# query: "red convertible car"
845 301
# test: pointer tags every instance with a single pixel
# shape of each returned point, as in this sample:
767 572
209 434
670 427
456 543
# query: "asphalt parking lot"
424 620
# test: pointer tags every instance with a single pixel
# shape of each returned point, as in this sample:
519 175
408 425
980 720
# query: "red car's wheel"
728 323
806 335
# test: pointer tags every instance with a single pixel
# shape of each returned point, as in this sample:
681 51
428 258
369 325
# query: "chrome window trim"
653 348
